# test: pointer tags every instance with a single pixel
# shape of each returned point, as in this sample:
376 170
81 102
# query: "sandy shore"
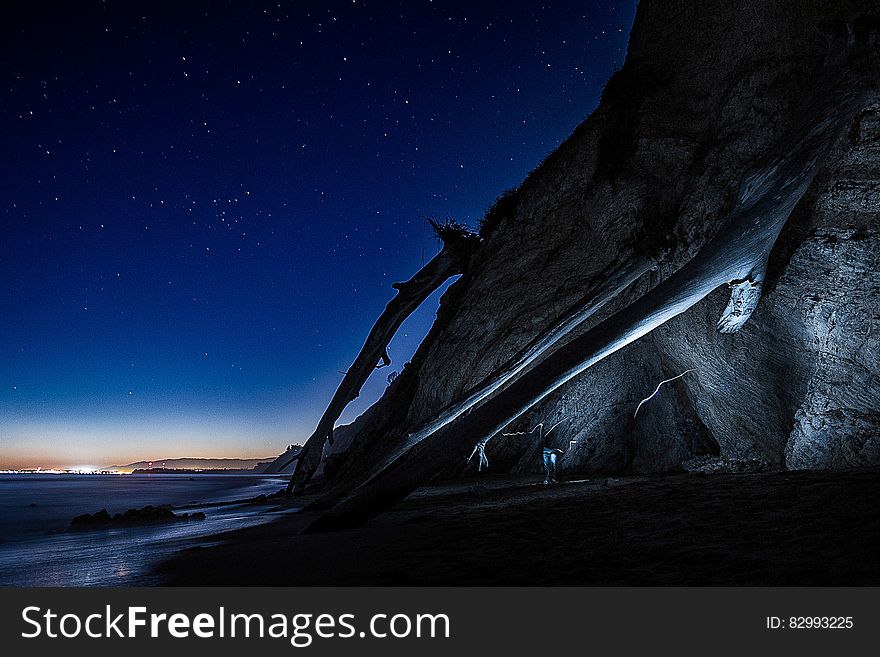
784 528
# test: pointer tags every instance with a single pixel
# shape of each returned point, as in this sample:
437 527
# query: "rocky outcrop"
284 462
708 92
148 515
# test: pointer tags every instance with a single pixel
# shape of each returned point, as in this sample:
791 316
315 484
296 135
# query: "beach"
777 528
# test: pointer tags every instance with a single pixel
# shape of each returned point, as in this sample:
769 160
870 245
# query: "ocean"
37 549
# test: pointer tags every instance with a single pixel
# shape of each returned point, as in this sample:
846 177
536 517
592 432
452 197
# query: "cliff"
713 96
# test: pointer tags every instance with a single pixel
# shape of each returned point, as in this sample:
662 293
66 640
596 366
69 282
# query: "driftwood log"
614 280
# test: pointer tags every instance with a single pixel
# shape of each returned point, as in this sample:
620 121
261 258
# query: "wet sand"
782 528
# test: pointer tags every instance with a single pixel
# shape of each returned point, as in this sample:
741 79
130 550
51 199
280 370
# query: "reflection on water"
37 550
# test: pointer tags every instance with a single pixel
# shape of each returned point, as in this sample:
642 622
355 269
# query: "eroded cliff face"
708 88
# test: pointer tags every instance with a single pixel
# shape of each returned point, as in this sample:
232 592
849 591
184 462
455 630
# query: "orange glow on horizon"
101 445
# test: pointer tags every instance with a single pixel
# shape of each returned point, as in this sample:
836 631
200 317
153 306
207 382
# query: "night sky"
204 204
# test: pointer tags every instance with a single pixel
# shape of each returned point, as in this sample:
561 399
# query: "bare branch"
480 448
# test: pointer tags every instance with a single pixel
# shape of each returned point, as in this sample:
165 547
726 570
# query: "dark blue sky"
204 204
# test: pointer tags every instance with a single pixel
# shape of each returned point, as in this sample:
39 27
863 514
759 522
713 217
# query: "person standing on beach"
551 454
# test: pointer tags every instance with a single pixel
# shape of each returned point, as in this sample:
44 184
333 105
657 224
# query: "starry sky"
204 204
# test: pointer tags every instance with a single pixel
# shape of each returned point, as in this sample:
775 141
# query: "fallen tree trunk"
737 255
458 246
615 280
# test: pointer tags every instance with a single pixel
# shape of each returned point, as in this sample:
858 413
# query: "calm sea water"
36 548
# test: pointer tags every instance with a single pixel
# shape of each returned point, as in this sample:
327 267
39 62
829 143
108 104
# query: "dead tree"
614 280
736 256
459 244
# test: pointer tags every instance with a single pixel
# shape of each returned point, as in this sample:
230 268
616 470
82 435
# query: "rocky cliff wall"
707 89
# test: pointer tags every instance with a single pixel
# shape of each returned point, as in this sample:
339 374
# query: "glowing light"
657 389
